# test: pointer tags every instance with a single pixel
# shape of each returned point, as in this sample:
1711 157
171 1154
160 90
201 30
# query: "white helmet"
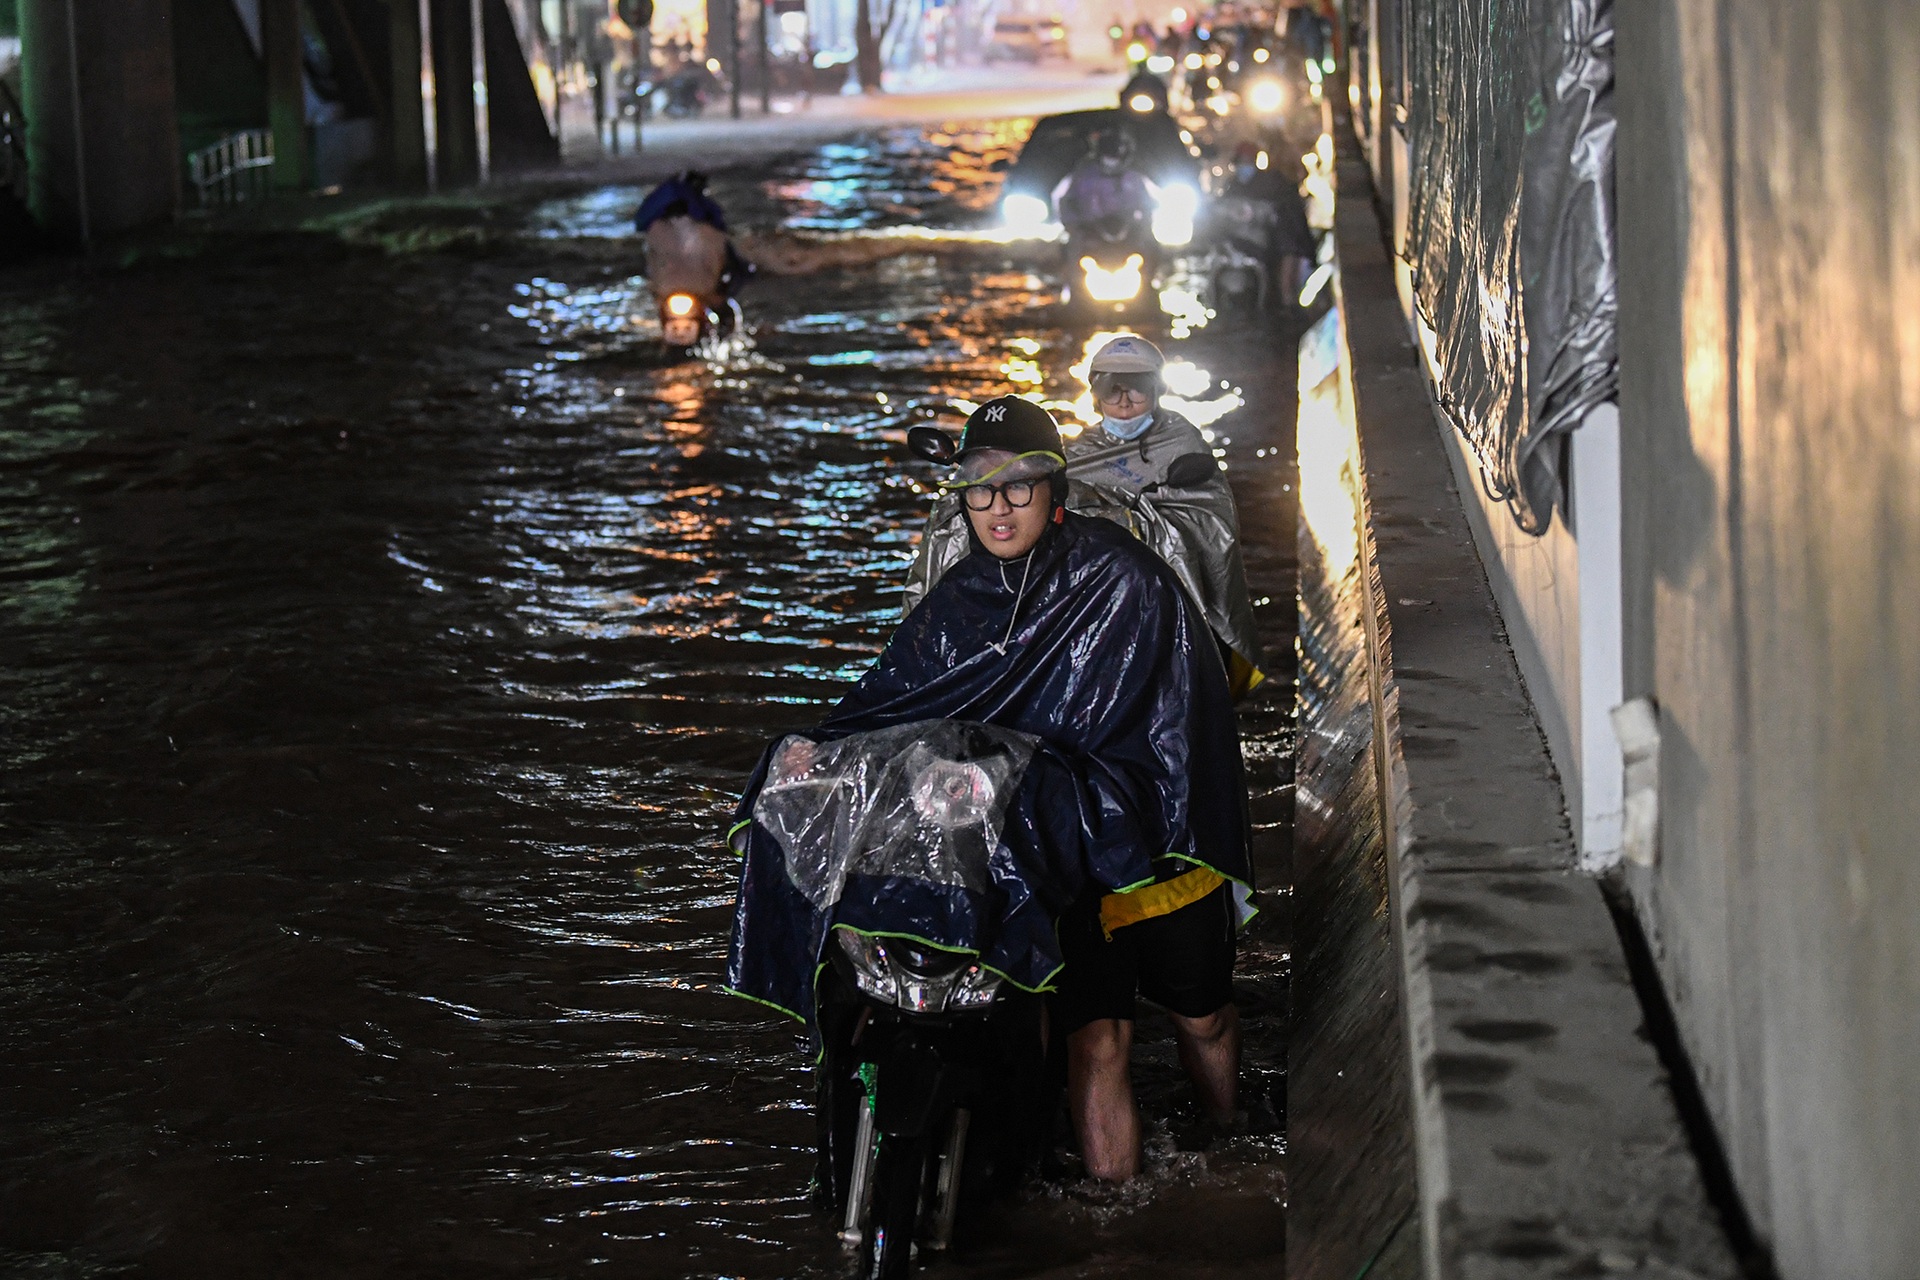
1127 354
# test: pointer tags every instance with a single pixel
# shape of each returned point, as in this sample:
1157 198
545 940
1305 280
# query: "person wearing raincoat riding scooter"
1146 465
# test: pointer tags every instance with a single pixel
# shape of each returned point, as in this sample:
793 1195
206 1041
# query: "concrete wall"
1545 1140
1559 593
1560 596
1769 190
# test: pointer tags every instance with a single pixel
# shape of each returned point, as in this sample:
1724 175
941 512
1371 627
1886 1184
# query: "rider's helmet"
1127 360
1129 355
1112 148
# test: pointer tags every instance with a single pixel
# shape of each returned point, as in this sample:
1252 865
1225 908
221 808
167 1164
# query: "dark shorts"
1182 961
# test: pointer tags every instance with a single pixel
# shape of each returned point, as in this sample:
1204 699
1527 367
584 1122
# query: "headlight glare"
1025 213
1173 219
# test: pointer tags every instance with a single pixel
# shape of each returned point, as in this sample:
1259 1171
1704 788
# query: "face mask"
1126 428
1245 172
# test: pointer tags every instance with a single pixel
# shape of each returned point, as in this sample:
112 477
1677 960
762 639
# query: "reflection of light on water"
1204 413
1019 369
1184 310
1327 497
1187 384
1185 378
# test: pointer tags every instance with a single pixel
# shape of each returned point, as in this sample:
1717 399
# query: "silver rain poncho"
1194 529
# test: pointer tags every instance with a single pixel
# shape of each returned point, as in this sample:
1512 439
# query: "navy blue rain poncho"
1111 667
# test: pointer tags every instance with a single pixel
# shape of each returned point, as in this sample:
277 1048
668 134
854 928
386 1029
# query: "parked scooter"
684 93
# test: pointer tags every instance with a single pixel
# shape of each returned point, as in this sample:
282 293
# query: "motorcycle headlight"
1159 64
872 967
1266 97
1141 102
953 794
1121 284
1025 213
680 304
1136 52
917 979
975 990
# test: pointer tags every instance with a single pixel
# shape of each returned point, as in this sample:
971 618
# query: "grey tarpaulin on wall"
1510 226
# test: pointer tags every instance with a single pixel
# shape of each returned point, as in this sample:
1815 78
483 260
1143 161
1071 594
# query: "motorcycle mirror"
932 443
1191 470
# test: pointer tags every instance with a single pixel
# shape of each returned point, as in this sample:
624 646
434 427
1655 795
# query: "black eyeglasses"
1113 386
979 497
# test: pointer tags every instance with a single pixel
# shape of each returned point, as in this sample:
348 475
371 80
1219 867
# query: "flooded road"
386 636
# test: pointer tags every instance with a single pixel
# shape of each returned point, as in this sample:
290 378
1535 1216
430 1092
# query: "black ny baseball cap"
1015 425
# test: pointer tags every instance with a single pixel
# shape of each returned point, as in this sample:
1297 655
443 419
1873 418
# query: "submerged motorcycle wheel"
899 1177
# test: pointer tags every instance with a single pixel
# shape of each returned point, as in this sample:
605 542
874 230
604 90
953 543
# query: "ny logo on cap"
996 412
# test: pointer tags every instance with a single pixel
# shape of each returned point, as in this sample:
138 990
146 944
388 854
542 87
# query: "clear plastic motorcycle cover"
895 832
1511 229
921 802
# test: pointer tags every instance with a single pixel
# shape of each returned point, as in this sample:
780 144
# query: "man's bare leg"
1210 1052
1100 1096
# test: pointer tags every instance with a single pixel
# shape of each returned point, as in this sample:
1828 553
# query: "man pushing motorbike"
1128 824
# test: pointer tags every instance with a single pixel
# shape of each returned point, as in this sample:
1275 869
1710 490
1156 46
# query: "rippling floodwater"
385 638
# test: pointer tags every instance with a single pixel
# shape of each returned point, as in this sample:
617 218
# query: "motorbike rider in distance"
1145 93
1261 207
688 250
1141 448
1106 199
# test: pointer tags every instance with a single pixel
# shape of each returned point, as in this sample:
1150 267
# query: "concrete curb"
1543 1131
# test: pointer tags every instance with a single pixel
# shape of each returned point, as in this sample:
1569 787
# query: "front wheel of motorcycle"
899 1174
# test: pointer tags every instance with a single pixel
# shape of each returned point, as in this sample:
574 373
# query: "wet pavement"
387 629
